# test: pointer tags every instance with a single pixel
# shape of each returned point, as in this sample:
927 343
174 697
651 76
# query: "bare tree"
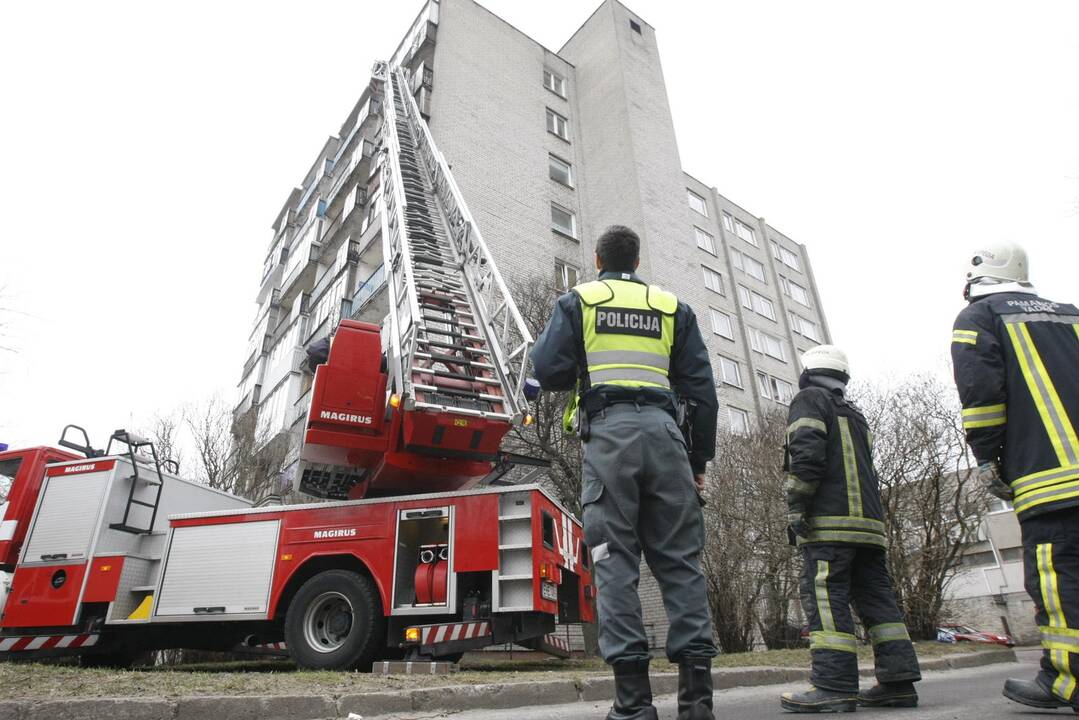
209 425
933 507
751 570
5 322
545 438
165 432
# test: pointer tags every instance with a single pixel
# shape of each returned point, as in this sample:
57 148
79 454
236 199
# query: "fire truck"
419 546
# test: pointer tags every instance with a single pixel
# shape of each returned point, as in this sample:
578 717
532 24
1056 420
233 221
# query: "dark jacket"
1016 363
558 361
830 469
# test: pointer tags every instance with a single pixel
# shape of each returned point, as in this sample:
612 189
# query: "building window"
738 420
750 266
557 125
805 328
696 202
746 233
705 241
559 170
996 505
757 303
565 275
635 26
563 220
728 222
767 344
721 324
555 83
785 256
729 372
775 389
321 208
713 280
794 291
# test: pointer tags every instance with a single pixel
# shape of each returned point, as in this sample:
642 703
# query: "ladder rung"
451 346
455 376
462 411
451 360
460 393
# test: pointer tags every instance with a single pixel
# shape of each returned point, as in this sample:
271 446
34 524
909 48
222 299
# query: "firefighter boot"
1030 692
695 689
816 700
889 694
632 692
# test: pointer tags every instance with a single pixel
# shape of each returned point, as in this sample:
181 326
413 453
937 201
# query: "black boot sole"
897 701
1043 704
830 706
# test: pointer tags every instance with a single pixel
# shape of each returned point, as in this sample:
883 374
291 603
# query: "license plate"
549 591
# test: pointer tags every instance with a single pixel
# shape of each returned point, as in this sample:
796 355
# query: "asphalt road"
972 694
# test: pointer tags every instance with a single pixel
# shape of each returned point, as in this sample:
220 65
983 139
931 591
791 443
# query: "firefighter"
631 351
1016 363
835 516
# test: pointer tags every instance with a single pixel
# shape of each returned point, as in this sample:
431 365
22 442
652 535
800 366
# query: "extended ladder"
457 341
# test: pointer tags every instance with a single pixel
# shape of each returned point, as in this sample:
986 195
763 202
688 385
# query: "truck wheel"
335 622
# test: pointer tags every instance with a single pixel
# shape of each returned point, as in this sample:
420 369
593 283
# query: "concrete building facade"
548 148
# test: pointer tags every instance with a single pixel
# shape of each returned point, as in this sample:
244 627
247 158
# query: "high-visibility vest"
628 332
628 335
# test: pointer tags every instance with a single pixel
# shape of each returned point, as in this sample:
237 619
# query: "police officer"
835 515
1016 363
632 350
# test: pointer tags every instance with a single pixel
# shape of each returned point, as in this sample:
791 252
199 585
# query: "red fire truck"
416 548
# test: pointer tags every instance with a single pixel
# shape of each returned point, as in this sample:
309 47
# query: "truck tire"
335 622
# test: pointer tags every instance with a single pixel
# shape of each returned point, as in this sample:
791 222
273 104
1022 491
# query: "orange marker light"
412 634
286 556
105 568
395 401
528 419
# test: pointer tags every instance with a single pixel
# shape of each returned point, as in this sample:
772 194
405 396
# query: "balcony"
300 269
422 77
349 221
352 172
369 302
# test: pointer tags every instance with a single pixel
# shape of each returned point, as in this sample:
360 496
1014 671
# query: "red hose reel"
431 574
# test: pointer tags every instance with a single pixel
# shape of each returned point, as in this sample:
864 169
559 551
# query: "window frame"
558 80
712 313
711 239
728 222
565 124
742 261
554 159
690 195
737 371
752 239
562 268
744 419
786 284
704 273
572 235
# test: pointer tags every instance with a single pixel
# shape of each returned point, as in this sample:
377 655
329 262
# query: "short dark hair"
618 249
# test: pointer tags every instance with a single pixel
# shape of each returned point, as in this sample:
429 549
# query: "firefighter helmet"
1003 262
826 357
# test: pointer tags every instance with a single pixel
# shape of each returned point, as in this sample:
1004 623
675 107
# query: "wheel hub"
328 622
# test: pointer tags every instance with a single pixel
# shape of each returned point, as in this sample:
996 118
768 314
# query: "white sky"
145 148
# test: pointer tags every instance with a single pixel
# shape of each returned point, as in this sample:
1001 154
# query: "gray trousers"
638 495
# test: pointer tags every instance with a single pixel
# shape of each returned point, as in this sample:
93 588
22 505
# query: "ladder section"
457 341
135 444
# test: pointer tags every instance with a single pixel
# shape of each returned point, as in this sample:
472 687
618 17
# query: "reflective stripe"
1061 491
886 632
965 336
1061 433
1044 478
841 522
628 357
1017 318
811 423
1064 639
1065 683
799 486
986 416
824 604
831 640
850 469
624 375
855 537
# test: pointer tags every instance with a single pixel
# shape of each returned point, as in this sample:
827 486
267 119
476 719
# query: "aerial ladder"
426 408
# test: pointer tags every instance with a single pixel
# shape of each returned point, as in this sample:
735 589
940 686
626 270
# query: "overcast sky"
145 148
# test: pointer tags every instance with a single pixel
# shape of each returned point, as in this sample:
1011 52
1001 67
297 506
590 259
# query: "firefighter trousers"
638 496
1051 568
835 577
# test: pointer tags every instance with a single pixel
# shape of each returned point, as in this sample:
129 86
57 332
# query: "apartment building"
548 148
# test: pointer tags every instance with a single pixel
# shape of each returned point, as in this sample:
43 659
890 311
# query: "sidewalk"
492 696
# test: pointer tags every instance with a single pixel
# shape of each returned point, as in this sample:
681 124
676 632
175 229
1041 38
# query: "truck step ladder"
457 343
134 444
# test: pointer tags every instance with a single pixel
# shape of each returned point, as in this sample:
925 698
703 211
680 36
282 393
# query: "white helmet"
826 357
1003 261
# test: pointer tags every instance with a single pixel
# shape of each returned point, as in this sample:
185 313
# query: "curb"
493 696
